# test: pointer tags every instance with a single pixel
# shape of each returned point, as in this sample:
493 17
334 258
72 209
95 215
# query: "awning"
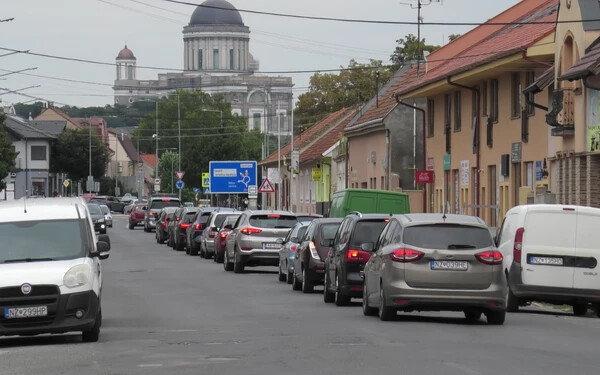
543 81
589 65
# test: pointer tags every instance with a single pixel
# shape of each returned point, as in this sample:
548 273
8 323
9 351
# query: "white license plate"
449 265
549 261
271 246
25 312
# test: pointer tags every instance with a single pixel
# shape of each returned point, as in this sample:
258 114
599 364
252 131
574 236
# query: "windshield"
157 205
94 209
274 221
447 236
367 232
105 210
30 241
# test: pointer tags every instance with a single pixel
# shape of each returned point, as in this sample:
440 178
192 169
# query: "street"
166 312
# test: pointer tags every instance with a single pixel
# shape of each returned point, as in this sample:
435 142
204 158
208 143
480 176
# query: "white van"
50 268
551 254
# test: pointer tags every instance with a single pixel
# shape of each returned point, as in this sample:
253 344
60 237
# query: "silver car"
431 262
107 215
288 251
213 225
256 239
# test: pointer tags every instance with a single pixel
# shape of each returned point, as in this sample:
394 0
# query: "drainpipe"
389 159
347 161
477 140
424 142
548 65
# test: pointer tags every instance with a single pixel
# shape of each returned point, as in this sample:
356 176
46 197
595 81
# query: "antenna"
25 201
418 4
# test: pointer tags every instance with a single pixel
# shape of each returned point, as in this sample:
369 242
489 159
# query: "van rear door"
548 243
587 251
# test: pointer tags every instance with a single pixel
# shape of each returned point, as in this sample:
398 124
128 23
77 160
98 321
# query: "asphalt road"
168 313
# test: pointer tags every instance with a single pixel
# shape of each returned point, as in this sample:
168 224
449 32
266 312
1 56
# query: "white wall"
22 163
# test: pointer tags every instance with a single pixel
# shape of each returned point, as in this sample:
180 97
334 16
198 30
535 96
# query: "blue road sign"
232 177
179 184
206 191
196 190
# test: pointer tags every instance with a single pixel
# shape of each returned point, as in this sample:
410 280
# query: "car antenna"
444 212
25 201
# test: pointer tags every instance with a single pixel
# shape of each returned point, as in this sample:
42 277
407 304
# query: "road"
165 312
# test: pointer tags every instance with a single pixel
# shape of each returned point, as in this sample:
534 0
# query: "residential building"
55 114
124 162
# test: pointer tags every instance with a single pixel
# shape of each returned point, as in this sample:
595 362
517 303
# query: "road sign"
157 181
424 177
252 189
179 174
156 187
206 191
196 190
266 187
205 179
66 183
231 177
179 184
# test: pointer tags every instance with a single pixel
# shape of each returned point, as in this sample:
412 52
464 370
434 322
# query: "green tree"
167 166
7 155
407 49
70 155
451 37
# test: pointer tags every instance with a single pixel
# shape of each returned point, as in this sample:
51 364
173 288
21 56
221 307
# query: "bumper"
100 226
150 224
260 257
61 315
210 246
316 270
353 286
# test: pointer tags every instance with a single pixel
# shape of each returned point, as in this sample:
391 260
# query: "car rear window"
447 236
367 231
220 219
189 217
158 204
328 230
273 221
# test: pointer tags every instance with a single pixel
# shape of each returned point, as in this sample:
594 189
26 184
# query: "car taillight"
518 246
151 214
223 234
490 257
293 248
164 224
357 256
406 255
211 233
197 226
249 231
177 218
184 225
313 251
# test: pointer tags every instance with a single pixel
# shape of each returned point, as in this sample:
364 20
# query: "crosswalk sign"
205 179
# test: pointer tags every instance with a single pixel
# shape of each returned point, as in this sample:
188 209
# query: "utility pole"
418 7
90 178
156 166
179 138
279 157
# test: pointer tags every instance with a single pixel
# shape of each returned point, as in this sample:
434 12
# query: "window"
430 117
239 65
281 126
515 95
447 121
256 121
457 111
529 79
231 59
199 59
494 100
484 99
474 101
447 236
38 152
215 59
118 72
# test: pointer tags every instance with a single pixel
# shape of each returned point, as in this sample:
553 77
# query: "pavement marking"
463 368
147 365
222 359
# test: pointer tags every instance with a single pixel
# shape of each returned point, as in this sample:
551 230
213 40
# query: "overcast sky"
98 29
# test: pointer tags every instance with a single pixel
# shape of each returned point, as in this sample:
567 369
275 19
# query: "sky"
98 29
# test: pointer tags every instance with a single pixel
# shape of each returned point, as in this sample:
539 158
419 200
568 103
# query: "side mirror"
280 241
104 238
368 246
327 242
102 249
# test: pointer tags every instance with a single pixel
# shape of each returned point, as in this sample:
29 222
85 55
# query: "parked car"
211 228
435 262
307 217
309 260
221 237
348 258
288 251
97 217
136 217
370 201
113 203
161 224
193 234
551 254
186 216
107 215
156 204
50 268
256 239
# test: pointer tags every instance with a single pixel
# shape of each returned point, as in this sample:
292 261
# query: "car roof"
42 209
417 219
359 217
266 212
331 220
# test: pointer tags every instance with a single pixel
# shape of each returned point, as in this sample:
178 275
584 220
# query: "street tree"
407 49
167 166
70 155
7 155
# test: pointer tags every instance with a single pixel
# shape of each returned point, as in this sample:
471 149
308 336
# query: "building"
124 162
216 60
487 143
55 114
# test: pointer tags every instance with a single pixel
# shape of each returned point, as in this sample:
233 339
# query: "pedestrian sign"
196 190
179 174
205 179
206 191
266 187
179 184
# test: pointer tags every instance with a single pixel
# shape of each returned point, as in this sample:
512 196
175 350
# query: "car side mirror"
102 249
279 241
327 242
367 246
104 238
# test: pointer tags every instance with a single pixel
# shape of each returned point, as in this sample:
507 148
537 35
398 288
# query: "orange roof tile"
149 159
327 139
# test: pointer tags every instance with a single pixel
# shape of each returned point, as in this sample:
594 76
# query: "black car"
351 249
309 261
97 217
161 224
179 230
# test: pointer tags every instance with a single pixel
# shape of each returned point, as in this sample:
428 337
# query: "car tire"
187 249
580 308
219 258
328 296
472 316
131 226
238 262
193 250
512 302
367 310
385 313
179 246
598 310
496 317
307 285
161 240
296 285
93 334
227 265
280 275
339 298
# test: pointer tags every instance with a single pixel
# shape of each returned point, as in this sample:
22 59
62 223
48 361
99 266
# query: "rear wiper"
461 246
28 260
281 227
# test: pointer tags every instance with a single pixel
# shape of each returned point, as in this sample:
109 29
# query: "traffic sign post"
196 190
157 181
179 184
66 183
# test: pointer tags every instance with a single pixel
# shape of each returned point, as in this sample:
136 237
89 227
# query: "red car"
221 237
137 215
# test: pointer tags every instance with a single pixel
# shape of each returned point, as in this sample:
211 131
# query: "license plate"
449 265
271 246
25 312
547 261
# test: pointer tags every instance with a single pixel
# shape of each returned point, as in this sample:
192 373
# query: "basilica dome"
216 12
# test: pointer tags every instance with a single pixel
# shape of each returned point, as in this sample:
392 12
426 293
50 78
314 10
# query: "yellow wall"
361 169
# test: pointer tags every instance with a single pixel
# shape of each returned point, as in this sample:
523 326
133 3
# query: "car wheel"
238 262
580 308
386 313
93 334
219 257
280 275
472 316
187 249
496 317
296 284
178 244
227 265
512 302
367 310
328 296
201 252
146 229
598 310
340 299
161 240
193 250
131 226
307 285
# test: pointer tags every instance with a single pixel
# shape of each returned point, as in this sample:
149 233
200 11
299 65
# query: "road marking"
463 368
147 365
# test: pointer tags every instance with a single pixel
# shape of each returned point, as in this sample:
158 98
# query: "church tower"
126 65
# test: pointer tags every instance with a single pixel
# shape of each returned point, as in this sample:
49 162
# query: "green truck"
368 202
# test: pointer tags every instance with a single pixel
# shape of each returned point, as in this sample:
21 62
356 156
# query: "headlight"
77 276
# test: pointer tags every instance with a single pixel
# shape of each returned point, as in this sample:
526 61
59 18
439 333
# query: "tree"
70 155
7 155
451 37
407 48
167 166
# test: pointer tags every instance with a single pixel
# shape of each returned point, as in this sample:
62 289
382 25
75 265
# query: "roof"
216 12
543 81
42 208
22 128
415 219
327 139
149 159
127 145
588 65
126 54
60 113
54 128
507 41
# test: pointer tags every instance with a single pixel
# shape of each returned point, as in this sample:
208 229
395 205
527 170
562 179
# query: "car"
307 217
256 239
435 262
161 224
211 228
97 217
193 234
173 223
551 255
136 217
129 203
221 237
50 268
113 203
155 204
288 251
179 231
309 259
107 215
370 201
342 280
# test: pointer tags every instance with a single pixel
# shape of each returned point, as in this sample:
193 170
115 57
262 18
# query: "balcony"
561 116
